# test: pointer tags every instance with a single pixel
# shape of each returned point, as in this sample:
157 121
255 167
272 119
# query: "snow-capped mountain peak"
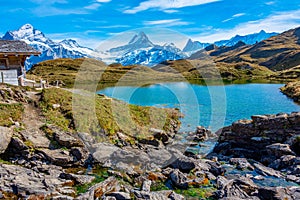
140 50
27 32
193 46
26 27
49 49
141 39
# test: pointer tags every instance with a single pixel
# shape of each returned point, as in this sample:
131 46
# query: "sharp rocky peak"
141 38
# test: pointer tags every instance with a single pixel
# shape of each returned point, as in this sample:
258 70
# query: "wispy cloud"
166 22
234 16
45 11
269 3
239 15
277 22
49 1
114 26
56 7
93 6
170 11
167 4
103 1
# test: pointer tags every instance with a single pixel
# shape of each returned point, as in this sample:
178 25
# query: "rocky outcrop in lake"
292 90
266 150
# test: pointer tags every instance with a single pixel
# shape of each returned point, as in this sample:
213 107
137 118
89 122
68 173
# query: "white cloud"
49 1
166 22
44 11
278 22
93 6
238 15
234 16
114 26
270 3
103 1
170 11
166 4
159 22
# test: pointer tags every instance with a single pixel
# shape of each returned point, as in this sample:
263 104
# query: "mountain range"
139 50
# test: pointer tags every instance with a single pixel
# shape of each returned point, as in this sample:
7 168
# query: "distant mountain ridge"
247 39
139 50
194 46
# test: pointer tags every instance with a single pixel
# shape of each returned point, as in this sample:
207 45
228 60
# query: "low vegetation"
98 114
9 113
64 72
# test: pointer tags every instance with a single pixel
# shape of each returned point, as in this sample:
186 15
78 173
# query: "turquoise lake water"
209 106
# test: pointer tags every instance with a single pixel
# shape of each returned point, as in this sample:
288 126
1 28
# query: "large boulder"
5 134
57 157
242 188
279 150
159 195
279 193
24 182
179 179
98 191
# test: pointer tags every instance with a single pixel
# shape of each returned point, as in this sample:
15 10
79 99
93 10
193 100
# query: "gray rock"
202 134
68 191
65 139
62 197
215 168
283 162
120 195
275 193
5 134
18 144
179 179
221 182
279 150
146 186
160 195
267 171
241 163
80 153
103 152
109 198
110 185
184 164
57 157
242 188
20 180
79 179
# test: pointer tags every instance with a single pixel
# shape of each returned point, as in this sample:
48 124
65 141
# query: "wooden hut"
13 54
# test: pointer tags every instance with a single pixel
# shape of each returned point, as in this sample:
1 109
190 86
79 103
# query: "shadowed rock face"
264 135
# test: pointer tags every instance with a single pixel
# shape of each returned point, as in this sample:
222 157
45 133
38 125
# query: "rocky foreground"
253 159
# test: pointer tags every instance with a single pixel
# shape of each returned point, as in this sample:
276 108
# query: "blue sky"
93 21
